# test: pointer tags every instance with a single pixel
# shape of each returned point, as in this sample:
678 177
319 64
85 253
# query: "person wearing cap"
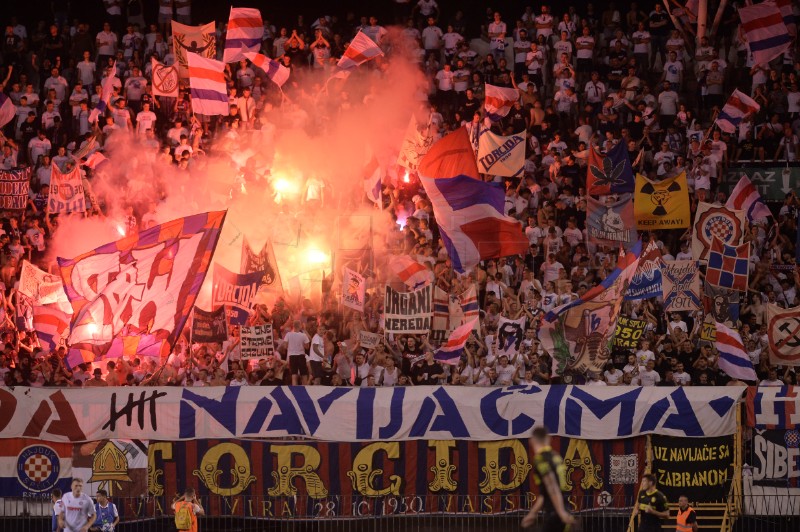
96 380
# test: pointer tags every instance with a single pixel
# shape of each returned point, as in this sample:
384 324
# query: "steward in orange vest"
686 521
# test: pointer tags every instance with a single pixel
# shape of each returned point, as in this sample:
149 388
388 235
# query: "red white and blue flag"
450 352
245 31
133 296
733 359
499 101
411 272
373 179
735 109
765 31
7 110
470 212
361 50
789 18
207 85
745 197
275 71
107 89
728 266
95 160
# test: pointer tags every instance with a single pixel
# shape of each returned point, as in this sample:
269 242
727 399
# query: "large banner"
365 414
117 466
647 282
418 140
66 192
257 341
235 291
774 486
681 286
610 221
408 312
701 468
15 188
662 204
712 221
499 155
783 333
33 468
329 479
510 334
209 326
192 39
773 407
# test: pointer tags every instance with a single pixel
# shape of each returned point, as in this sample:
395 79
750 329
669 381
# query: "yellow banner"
661 204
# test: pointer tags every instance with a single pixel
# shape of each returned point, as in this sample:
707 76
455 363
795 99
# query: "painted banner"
265 261
773 488
133 296
701 468
354 290
662 204
418 140
66 192
117 466
499 155
773 407
610 173
681 286
43 288
33 468
772 182
783 333
192 39
628 332
510 334
646 281
611 220
257 341
235 291
408 312
719 305
366 414
209 326
15 188
368 339
165 79
728 266
330 479
712 221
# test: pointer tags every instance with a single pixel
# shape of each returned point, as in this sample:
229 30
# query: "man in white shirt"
497 37
297 343
145 119
317 354
649 376
57 83
77 510
544 24
106 43
432 36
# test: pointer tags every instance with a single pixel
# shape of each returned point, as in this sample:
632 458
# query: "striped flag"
765 31
107 89
499 101
7 110
411 272
275 71
735 109
51 324
450 352
361 50
745 197
789 18
733 359
95 160
207 85
373 177
245 30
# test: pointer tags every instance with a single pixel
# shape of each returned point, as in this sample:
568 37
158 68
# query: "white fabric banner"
354 290
499 155
365 414
257 341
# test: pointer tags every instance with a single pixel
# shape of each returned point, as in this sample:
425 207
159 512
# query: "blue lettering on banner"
219 410
626 402
448 421
496 422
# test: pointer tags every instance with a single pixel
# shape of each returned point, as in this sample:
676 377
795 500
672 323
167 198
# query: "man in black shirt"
427 371
550 474
651 506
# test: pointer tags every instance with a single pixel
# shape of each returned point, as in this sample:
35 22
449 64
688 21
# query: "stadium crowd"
590 75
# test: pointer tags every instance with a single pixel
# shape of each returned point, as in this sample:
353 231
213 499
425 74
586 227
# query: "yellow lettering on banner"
363 475
492 471
510 504
285 473
486 505
468 503
266 509
579 456
696 479
232 509
209 472
285 510
442 469
154 485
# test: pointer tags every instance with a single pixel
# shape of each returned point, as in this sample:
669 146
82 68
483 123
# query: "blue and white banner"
499 155
365 414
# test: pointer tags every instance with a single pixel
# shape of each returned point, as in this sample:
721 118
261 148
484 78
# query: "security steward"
686 521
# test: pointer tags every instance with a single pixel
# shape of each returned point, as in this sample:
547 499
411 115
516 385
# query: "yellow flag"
661 204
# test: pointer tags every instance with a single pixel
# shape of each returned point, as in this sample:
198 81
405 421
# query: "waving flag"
361 50
611 174
499 101
728 266
207 86
95 160
51 308
275 71
733 359
373 178
7 110
133 296
107 89
735 109
745 197
647 281
245 30
789 18
450 353
578 334
470 212
765 31
411 272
